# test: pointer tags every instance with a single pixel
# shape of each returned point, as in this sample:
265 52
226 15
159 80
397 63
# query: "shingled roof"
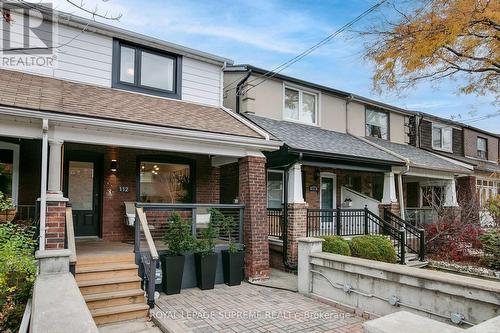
314 139
47 94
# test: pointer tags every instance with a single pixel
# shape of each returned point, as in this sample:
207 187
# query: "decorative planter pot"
232 266
8 215
172 271
206 266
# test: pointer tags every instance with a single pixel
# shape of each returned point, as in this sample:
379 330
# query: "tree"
436 39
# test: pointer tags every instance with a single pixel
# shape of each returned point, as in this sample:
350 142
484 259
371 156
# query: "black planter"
206 266
172 268
232 267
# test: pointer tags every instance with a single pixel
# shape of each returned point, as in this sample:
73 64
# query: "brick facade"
229 183
468 198
252 193
55 225
470 144
296 228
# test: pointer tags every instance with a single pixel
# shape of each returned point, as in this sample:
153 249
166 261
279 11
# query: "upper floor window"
145 70
441 137
482 148
300 106
377 124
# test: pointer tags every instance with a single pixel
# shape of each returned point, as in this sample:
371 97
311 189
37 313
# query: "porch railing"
151 223
414 237
275 220
420 216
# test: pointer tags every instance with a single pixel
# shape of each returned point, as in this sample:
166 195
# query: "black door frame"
97 159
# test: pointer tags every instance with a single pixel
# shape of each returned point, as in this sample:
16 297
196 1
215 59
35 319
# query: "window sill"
300 122
443 150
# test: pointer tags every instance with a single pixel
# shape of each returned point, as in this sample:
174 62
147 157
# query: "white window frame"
486 148
282 189
15 168
302 90
368 109
442 128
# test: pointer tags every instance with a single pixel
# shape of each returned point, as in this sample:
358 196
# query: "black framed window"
377 124
165 180
146 70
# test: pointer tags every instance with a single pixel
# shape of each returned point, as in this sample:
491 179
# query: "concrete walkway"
250 308
280 279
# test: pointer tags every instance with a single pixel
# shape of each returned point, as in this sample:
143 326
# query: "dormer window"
300 106
482 148
441 137
145 70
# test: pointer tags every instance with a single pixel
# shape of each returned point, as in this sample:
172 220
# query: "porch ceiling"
39 93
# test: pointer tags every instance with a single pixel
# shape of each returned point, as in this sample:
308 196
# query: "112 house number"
123 189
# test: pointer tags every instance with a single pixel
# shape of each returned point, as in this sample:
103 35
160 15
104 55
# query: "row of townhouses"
125 118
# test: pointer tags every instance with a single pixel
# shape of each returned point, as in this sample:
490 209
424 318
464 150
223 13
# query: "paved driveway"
250 308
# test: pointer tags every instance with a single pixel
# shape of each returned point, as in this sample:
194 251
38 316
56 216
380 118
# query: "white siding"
80 56
201 82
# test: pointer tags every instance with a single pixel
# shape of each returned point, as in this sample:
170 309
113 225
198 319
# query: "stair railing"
414 237
397 236
70 238
147 260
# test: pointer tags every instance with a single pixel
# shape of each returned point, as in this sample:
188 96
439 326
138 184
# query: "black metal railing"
414 237
397 236
275 220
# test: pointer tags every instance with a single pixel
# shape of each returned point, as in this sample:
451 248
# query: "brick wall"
412 130
297 228
252 193
229 182
467 197
55 225
457 142
425 134
470 144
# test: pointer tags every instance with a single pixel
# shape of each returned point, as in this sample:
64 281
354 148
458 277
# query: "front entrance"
82 179
328 194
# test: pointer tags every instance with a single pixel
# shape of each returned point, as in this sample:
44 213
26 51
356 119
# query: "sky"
267 33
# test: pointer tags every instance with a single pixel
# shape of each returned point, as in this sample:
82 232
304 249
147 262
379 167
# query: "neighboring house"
465 144
340 150
128 118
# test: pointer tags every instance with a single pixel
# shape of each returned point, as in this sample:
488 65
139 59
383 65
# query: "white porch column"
450 195
295 184
54 182
389 188
401 196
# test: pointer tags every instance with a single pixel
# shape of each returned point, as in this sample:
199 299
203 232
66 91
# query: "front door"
328 200
82 188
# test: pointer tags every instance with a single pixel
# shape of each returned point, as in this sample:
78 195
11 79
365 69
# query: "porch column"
389 196
252 193
297 213
450 196
54 182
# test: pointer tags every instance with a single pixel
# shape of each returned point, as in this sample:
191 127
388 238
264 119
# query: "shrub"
5 203
491 248
178 236
337 245
373 247
17 273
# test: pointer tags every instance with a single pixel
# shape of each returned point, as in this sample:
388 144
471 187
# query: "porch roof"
479 165
39 93
312 139
420 158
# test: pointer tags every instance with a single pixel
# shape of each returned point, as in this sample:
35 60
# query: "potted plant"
205 258
179 240
233 259
7 209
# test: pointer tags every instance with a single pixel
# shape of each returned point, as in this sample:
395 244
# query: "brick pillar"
252 193
297 228
468 198
392 207
55 225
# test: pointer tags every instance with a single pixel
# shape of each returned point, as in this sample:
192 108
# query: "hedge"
373 247
337 245
491 248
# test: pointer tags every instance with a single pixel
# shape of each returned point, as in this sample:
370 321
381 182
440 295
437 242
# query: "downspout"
284 232
43 182
238 88
347 101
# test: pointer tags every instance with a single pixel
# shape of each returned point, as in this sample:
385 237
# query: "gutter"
247 123
238 86
259 143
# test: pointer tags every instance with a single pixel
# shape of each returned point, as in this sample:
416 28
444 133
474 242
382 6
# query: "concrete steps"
130 326
111 287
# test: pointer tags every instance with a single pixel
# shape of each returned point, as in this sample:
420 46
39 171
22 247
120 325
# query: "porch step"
109 285
114 298
119 313
104 271
104 259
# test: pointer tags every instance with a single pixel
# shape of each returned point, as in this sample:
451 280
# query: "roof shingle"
41 93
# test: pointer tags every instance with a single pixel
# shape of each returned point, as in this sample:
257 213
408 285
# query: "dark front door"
82 187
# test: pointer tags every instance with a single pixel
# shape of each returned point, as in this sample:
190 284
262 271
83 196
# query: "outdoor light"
114 165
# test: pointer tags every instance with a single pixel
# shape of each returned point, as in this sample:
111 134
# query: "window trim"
300 90
15 168
332 176
441 127
388 121
486 146
165 159
176 93
282 190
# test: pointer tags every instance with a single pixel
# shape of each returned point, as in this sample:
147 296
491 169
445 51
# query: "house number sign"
123 189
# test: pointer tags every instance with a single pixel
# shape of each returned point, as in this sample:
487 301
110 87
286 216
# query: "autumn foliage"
435 39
